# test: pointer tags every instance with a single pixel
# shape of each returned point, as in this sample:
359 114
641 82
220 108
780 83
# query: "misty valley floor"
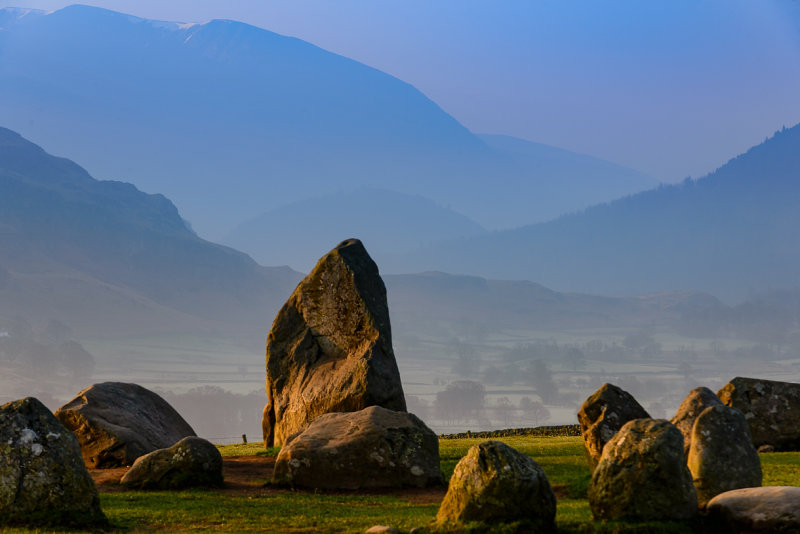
245 504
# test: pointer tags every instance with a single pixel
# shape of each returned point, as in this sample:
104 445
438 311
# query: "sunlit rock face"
642 475
117 422
371 448
43 480
494 483
770 510
772 410
690 409
721 456
602 415
330 346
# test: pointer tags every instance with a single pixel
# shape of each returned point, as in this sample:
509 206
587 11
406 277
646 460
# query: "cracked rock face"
602 415
117 422
496 483
371 448
772 410
192 462
43 480
330 346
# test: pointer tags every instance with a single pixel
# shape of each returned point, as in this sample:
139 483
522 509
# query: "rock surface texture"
330 346
371 448
642 475
116 423
602 415
43 480
496 483
192 462
695 402
773 509
772 410
722 456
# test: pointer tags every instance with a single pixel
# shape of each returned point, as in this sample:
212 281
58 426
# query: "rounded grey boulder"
722 456
116 423
642 475
43 480
371 448
602 415
692 406
771 509
192 462
496 483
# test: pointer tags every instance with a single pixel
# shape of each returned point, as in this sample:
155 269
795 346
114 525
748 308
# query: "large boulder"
371 448
602 415
722 456
116 423
642 475
496 483
43 479
692 406
772 410
330 347
192 462
772 509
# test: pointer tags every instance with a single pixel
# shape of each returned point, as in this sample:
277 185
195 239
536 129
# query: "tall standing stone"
330 346
722 457
602 415
642 475
43 480
772 410
690 409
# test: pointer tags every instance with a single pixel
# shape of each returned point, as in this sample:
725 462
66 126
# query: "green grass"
286 511
248 449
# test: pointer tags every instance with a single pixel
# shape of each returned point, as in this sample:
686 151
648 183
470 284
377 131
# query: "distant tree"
467 360
460 400
575 358
542 381
534 411
505 410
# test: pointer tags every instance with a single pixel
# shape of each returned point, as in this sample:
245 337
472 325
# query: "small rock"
371 448
642 475
698 400
496 483
116 423
330 346
602 415
772 509
382 529
43 480
772 410
722 456
766 448
192 462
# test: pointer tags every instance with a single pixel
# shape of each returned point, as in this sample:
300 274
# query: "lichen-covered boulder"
190 463
642 475
330 346
496 483
772 410
371 448
771 509
117 422
695 402
602 415
43 480
722 456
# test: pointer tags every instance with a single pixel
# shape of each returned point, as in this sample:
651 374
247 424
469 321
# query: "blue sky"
672 88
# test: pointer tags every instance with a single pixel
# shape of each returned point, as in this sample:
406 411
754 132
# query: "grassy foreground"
293 511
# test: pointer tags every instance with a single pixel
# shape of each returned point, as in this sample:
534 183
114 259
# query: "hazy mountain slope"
730 233
91 246
389 224
231 121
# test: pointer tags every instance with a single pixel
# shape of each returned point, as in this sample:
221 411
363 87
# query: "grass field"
289 511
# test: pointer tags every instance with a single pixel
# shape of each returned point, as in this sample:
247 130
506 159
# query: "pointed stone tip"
348 243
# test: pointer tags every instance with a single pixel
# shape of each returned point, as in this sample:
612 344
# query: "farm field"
246 504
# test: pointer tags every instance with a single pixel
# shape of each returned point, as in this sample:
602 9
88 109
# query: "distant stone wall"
539 431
